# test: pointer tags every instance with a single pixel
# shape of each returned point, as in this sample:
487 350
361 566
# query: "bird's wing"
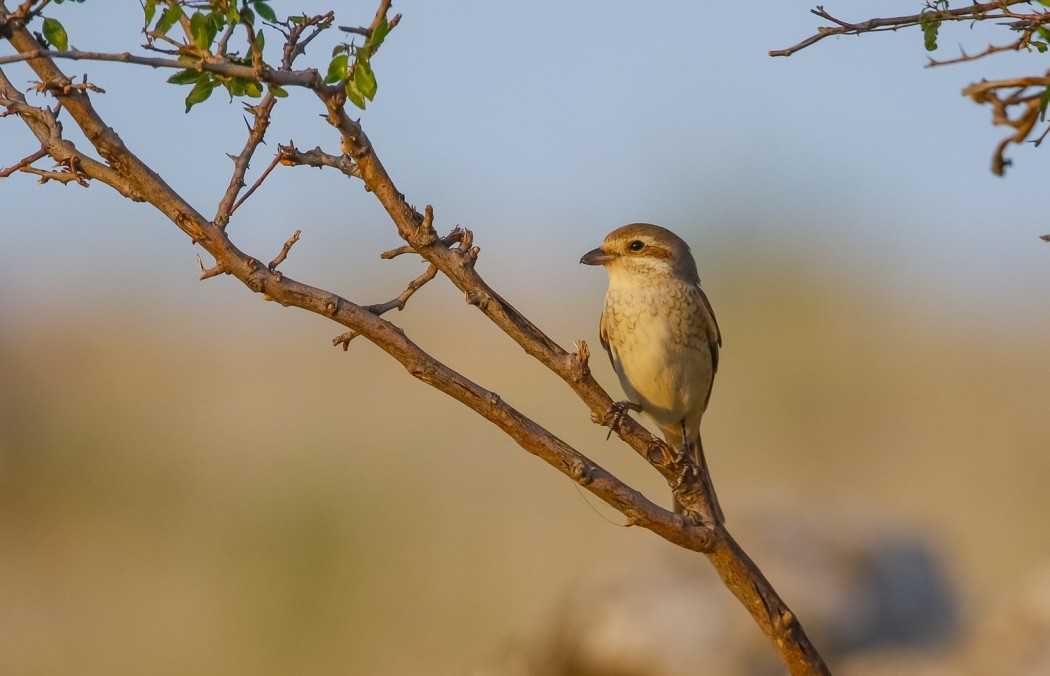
603 336
714 334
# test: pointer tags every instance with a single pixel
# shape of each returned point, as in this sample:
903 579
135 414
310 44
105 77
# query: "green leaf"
379 34
185 77
247 15
200 92
278 91
168 19
929 24
1039 46
150 8
56 35
337 69
253 89
355 95
1044 99
235 87
365 79
265 11
203 29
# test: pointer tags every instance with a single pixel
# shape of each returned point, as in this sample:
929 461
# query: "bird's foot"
616 415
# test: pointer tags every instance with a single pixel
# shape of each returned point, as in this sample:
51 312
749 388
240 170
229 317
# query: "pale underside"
663 343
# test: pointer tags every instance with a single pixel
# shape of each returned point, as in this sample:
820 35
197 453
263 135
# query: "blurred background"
194 481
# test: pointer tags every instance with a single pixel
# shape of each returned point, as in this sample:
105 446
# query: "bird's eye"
636 245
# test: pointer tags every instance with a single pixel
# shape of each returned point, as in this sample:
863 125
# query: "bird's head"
643 249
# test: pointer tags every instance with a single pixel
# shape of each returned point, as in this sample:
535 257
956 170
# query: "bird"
660 332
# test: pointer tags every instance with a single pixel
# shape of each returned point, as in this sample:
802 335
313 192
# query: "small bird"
660 332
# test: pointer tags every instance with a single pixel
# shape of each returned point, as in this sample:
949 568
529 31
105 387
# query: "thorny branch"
454 256
1019 103
291 156
256 133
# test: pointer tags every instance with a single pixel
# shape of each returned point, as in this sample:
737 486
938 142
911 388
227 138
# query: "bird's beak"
597 257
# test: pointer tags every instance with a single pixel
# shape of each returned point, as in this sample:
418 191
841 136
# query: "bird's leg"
616 414
686 451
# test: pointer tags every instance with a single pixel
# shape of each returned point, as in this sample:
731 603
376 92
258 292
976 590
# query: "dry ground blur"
228 495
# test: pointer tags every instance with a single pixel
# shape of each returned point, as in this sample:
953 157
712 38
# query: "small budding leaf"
277 91
337 69
56 34
930 24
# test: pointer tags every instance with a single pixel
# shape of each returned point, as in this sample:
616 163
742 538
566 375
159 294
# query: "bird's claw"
617 413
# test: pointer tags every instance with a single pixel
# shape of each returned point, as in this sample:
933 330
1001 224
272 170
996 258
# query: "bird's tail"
696 449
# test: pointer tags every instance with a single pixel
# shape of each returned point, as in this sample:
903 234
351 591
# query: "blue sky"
541 123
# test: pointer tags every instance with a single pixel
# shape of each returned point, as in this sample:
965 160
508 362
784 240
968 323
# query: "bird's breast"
659 348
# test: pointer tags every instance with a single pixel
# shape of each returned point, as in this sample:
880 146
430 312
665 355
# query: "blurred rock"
857 584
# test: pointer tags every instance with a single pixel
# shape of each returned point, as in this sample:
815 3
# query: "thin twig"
991 49
224 40
398 303
308 77
284 251
240 165
457 236
977 10
24 162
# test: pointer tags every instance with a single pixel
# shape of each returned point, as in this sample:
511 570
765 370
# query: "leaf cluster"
359 80
208 28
